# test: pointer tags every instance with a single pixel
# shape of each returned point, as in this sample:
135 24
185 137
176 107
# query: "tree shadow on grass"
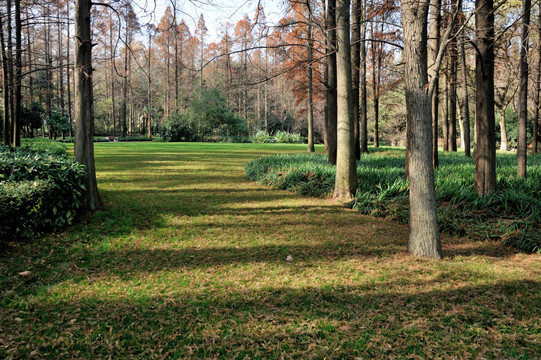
494 320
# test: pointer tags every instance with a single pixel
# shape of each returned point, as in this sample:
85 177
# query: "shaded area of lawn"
188 259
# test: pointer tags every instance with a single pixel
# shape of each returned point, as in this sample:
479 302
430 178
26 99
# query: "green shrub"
288 138
211 118
176 128
42 144
511 215
58 184
21 207
261 137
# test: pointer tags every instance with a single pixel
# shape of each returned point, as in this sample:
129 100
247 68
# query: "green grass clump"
43 144
306 174
512 214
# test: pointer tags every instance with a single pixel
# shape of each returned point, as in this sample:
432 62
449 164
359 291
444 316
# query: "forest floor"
189 259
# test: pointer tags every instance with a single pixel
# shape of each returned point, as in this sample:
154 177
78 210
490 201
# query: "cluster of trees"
329 63
208 117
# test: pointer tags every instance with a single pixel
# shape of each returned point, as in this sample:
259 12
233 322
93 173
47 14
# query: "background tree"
84 144
485 138
331 85
346 170
424 237
434 45
522 141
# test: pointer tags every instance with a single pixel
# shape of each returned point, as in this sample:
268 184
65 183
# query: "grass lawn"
188 260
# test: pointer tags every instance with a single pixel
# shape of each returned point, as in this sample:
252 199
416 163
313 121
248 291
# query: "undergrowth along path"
191 260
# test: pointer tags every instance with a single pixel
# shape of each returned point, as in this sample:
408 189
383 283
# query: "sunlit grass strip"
512 214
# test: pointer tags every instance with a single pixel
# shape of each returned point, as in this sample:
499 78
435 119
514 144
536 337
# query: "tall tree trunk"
48 77
244 83
309 74
453 66
460 118
434 45
125 87
535 127
356 11
445 123
167 105
131 120
112 72
503 130
346 171
18 76
60 66
6 129
465 101
485 142
330 118
434 42
11 74
424 237
68 69
84 114
29 63
149 90
363 126
522 141
375 85
266 96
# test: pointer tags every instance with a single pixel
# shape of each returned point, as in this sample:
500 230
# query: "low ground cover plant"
283 137
39 191
44 144
511 215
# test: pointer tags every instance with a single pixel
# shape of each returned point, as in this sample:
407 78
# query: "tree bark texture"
465 101
503 130
453 66
424 237
434 45
522 141
535 127
485 133
445 122
84 114
363 126
330 118
310 77
18 76
5 89
346 172
355 70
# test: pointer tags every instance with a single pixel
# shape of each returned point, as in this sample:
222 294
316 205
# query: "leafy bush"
511 215
176 128
21 207
42 184
280 137
42 144
32 116
59 124
261 137
209 116
288 138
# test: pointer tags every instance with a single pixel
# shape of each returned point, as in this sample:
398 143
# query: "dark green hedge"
39 192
